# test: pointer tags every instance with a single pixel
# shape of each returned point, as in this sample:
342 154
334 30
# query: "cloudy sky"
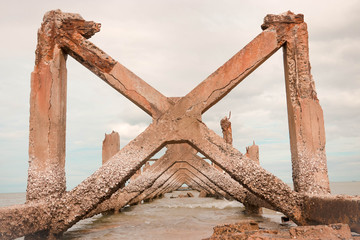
174 45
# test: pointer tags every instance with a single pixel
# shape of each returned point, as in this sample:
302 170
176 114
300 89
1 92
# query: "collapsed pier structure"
177 124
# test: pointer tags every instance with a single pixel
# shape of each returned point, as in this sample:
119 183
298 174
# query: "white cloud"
128 131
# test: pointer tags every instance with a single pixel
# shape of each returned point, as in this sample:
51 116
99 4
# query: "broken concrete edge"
333 209
110 146
19 220
250 230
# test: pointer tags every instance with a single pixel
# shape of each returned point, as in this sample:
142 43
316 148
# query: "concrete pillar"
226 129
305 115
111 145
227 134
146 166
252 152
46 173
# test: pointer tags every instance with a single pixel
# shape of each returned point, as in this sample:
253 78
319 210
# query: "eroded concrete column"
111 145
46 173
227 134
252 152
226 129
305 115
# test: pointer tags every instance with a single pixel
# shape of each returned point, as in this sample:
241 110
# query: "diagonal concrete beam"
191 173
112 72
229 75
256 179
148 181
143 183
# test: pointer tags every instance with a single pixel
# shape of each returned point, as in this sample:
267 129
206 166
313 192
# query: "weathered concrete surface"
249 230
46 173
136 175
132 190
222 180
17 218
172 121
306 120
327 209
252 152
192 175
226 129
175 120
110 146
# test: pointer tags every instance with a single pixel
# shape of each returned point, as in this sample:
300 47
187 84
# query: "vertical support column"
46 173
111 145
305 115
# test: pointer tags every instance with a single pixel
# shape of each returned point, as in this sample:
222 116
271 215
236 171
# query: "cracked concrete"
175 120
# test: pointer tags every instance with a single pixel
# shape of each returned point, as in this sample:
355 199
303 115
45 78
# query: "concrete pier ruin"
177 124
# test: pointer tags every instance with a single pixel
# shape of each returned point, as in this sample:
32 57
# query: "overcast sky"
174 45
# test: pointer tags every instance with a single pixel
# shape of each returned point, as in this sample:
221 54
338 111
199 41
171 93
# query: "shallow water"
171 218
168 218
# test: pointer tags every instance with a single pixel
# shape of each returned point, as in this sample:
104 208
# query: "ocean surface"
172 218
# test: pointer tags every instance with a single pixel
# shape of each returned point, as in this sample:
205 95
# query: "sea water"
172 218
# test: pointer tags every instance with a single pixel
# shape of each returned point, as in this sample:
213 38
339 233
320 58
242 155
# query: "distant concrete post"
46 173
227 134
146 166
252 152
226 129
111 145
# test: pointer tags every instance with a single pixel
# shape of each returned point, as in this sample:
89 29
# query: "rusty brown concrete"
175 120
136 175
306 120
226 129
172 184
329 209
146 166
46 173
14 220
191 175
110 146
221 180
252 152
249 230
